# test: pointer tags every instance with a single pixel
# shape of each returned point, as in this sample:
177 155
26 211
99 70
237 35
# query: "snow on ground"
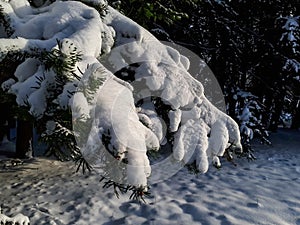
265 192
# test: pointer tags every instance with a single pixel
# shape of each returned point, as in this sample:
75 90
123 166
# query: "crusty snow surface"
265 191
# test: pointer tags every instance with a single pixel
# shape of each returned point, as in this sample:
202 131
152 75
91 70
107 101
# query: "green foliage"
83 164
82 126
192 168
148 12
5 22
137 193
64 66
61 143
9 61
62 63
6 98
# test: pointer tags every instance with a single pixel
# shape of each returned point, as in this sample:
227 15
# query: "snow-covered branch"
152 98
17 219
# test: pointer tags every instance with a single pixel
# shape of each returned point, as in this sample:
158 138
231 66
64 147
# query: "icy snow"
123 127
220 137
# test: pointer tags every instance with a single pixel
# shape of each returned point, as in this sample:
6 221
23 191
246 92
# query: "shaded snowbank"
265 191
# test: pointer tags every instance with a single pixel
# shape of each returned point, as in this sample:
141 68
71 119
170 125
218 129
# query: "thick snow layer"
128 134
21 7
80 106
219 138
175 119
149 117
75 23
71 21
24 89
27 69
191 144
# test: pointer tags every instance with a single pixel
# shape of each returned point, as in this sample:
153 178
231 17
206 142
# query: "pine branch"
5 22
63 64
61 142
137 193
83 164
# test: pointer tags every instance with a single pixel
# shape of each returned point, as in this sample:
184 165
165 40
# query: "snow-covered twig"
18 219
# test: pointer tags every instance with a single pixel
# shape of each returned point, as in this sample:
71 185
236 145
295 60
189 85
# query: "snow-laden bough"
134 94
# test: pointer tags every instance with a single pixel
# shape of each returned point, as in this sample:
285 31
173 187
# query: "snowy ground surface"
266 191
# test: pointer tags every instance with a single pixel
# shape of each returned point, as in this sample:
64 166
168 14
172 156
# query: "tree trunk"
3 121
231 102
24 139
296 117
276 115
266 116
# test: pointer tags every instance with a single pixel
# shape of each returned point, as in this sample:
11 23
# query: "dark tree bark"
24 139
275 119
296 117
3 121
